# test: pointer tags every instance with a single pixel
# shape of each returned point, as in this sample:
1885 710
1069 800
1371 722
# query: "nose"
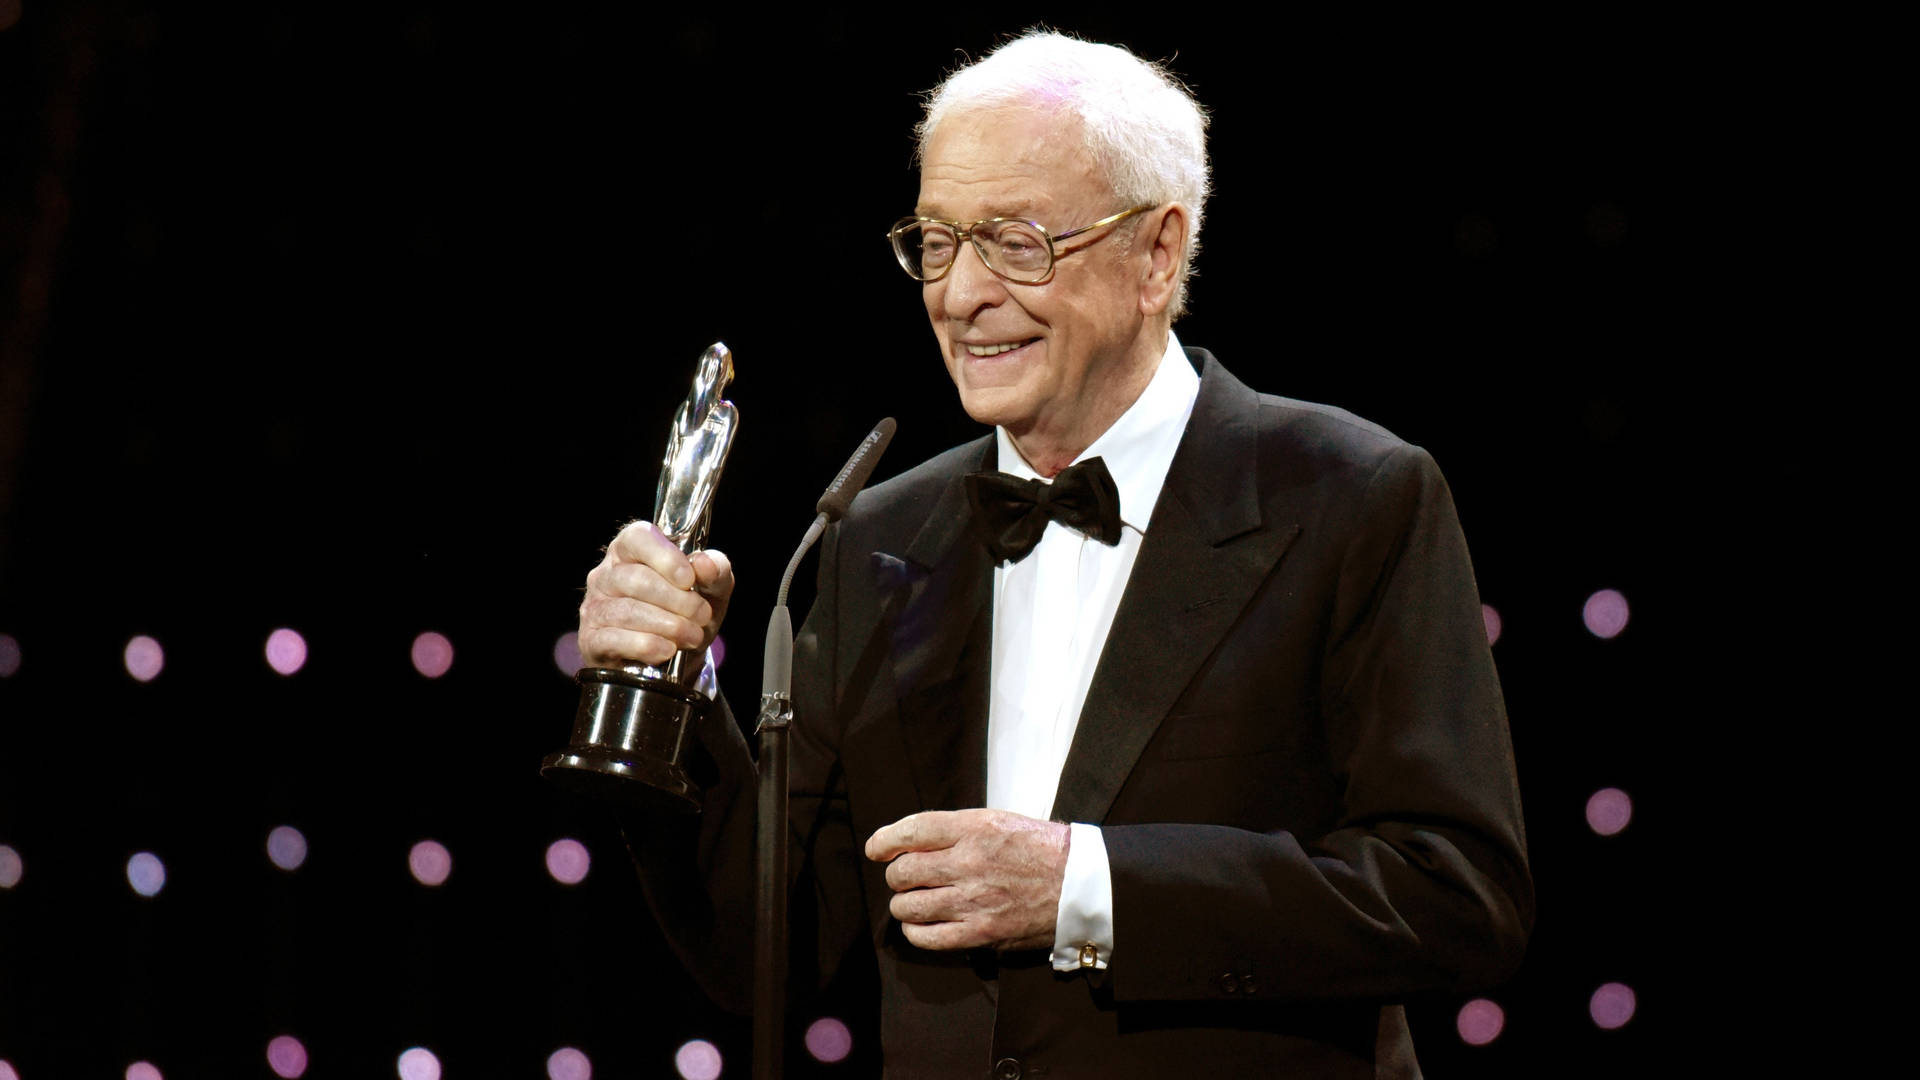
969 287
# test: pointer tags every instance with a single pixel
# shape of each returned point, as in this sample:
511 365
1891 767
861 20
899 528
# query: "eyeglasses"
1017 250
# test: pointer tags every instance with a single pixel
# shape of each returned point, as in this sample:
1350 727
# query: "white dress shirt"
1051 613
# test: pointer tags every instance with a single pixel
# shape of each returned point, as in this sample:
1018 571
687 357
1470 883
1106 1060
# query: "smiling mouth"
996 350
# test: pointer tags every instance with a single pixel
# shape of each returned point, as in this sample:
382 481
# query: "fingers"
647 600
929 830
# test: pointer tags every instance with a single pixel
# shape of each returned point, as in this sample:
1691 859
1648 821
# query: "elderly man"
1157 730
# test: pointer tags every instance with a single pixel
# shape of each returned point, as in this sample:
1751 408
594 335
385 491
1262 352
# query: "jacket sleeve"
1419 879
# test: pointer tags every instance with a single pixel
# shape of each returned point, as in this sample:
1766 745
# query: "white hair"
1143 129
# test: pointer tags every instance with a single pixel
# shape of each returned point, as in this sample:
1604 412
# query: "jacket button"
1006 1069
1248 985
1230 983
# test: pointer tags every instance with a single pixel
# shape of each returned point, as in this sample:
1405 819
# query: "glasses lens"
926 249
1015 248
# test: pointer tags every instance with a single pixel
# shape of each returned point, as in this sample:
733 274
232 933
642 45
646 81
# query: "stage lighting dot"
9 655
143 1070
1492 618
432 654
144 658
567 861
7 1073
429 862
286 1057
1480 1022
567 1063
698 1059
1609 810
287 847
566 653
418 1063
1605 613
146 873
11 867
1611 1006
829 1040
286 651
717 652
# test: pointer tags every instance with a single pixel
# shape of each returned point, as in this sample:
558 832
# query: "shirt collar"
1139 447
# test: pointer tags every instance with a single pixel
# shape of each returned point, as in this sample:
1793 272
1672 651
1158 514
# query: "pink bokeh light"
12 866
698 1059
286 1057
6 1071
9 656
418 1063
1492 619
568 861
1480 1022
146 873
567 1063
1611 1005
828 1040
287 847
1608 811
143 1070
144 658
286 651
430 862
432 654
1605 614
566 653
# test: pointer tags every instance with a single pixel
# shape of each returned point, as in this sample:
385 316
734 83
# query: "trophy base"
629 739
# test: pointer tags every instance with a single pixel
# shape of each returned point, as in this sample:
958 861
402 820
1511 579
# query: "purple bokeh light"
286 1057
11 867
1608 811
9 655
432 654
828 1040
287 847
697 1059
146 873
286 651
143 1070
566 653
6 1071
430 862
1605 613
1492 620
144 658
568 861
567 1063
418 1063
1480 1022
1611 1006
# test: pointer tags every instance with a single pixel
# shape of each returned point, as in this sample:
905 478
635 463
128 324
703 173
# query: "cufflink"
1089 955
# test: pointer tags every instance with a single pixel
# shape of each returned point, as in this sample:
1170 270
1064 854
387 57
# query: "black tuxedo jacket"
1294 744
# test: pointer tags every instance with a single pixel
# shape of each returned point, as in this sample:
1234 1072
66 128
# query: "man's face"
1045 361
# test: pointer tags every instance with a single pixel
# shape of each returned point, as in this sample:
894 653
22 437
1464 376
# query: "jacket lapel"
1205 552
940 620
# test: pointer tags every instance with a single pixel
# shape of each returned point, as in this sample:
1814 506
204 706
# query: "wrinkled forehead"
1012 161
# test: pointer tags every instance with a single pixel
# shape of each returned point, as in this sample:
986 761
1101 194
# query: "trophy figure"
633 722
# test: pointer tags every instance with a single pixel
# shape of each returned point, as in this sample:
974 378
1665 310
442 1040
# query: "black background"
369 322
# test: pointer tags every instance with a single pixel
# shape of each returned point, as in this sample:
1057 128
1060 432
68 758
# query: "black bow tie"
1010 514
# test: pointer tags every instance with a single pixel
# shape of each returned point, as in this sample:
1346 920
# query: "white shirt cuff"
1083 927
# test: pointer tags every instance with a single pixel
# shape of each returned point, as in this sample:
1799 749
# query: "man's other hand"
646 600
969 879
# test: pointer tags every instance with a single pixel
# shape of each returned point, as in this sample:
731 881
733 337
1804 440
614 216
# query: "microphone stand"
771 837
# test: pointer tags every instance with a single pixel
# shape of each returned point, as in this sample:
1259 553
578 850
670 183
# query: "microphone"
770 816
840 493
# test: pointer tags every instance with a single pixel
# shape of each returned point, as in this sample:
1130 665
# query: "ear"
1166 248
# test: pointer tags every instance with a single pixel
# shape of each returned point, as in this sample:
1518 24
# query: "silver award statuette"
631 730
